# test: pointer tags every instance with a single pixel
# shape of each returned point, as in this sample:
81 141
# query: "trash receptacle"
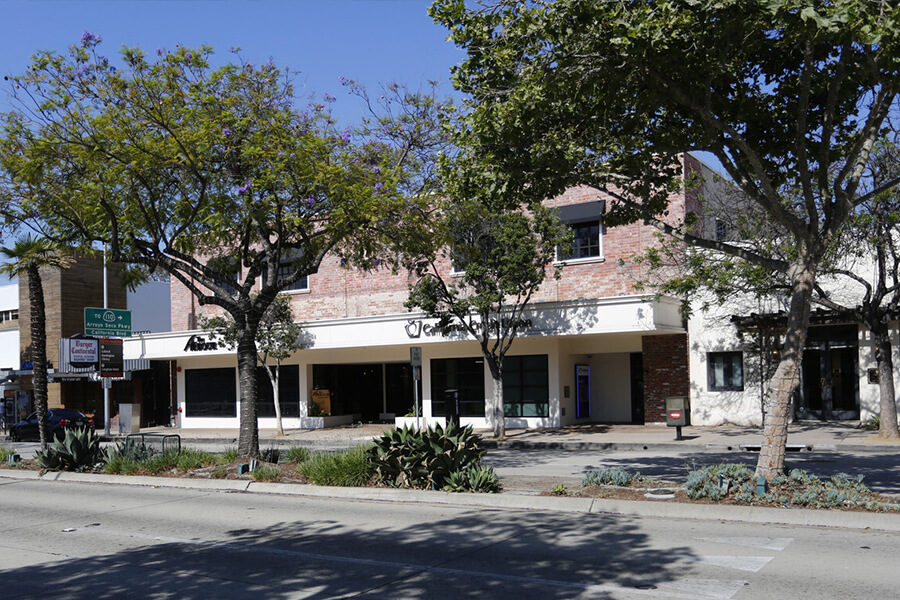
678 411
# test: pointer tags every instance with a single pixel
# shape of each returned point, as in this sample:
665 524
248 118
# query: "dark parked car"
58 420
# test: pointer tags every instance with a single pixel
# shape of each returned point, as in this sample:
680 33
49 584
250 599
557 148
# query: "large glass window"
725 371
288 392
457 378
210 393
526 391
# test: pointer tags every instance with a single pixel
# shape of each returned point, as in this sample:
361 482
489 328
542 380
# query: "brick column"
665 372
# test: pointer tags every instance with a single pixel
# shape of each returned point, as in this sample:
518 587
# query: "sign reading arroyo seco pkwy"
107 322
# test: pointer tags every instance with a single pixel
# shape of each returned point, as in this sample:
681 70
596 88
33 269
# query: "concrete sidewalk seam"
633 508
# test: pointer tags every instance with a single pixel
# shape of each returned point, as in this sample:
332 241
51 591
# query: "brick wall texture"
665 372
336 292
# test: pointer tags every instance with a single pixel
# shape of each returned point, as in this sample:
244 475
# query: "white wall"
9 349
9 294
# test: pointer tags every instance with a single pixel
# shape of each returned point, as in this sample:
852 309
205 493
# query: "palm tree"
26 257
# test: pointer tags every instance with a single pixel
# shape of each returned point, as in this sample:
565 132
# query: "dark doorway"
830 378
354 389
399 398
637 388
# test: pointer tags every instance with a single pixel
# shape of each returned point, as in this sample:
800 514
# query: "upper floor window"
587 229
286 270
586 241
725 371
9 315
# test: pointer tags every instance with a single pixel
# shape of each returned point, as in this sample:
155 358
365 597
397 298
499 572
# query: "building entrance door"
830 378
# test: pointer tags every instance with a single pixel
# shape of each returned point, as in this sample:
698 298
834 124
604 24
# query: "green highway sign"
107 322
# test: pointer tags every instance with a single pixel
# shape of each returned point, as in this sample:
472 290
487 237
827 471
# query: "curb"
661 509
562 445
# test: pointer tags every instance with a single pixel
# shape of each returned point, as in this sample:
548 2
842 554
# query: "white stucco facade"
599 333
712 331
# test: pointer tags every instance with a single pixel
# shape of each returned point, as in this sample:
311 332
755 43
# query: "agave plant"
424 458
79 450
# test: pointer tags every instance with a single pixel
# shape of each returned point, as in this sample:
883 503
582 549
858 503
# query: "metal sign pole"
415 359
104 383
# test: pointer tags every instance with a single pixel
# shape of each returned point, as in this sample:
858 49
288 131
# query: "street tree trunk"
495 413
274 375
248 440
38 350
786 380
883 356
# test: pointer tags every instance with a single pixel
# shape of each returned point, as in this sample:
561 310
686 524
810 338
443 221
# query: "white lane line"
741 563
766 543
684 588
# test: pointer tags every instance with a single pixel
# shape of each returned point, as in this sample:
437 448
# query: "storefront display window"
525 386
210 393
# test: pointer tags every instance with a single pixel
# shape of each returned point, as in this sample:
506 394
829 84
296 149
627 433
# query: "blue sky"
371 41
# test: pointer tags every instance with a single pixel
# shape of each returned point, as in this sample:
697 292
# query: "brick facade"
336 292
66 294
665 372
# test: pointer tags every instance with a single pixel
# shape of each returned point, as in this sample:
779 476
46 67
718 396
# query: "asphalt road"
97 541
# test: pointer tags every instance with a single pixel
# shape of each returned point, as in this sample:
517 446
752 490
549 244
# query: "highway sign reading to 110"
107 322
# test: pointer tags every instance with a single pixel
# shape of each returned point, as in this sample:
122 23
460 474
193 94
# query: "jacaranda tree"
214 175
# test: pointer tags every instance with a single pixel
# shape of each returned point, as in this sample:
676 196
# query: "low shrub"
220 472
129 449
164 461
79 450
120 465
346 469
473 479
737 483
228 457
265 472
424 458
873 423
5 453
615 476
559 490
297 454
189 458
270 455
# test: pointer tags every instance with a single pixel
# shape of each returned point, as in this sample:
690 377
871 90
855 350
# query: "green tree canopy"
789 95
212 174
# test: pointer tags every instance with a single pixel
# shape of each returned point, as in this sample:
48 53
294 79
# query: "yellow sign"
322 398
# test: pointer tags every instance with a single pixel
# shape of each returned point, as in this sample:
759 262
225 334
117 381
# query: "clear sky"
371 41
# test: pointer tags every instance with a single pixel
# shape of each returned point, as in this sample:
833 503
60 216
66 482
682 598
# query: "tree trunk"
274 376
883 355
495 412
248 441
786 380
38 351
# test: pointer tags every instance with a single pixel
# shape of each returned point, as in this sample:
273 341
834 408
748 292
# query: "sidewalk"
802 437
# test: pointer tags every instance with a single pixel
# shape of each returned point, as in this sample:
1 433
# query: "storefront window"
288 392
525 386
459 379
210 393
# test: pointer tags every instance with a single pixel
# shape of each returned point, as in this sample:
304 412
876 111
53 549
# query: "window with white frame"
287 269
9 315
725 371
585 221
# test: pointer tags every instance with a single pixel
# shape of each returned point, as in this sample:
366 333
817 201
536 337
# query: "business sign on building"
107 322
111 362
83 352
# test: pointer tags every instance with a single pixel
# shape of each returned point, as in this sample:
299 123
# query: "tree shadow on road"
465 553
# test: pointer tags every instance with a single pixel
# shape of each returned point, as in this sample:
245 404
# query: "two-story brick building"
594 350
